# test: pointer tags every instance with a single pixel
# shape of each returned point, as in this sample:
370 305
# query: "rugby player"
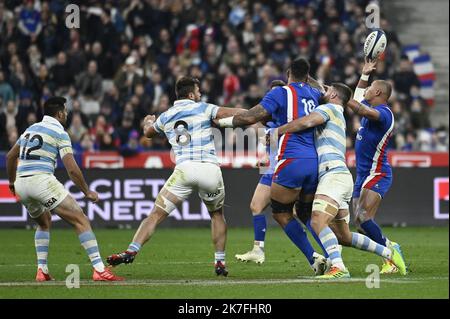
30 166
333 195
296 169
187 125
373 172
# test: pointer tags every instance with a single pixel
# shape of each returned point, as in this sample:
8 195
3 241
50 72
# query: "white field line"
218 282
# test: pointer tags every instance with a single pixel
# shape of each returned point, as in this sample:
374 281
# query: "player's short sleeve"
211 111
385 116
64 145
272 100
159 123
323 110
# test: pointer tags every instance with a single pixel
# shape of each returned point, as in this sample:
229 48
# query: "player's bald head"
385 88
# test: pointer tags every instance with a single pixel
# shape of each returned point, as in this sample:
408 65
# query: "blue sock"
134 246
259 226
330 241
373 231
298 236
365 243
316 238
89 243
41 242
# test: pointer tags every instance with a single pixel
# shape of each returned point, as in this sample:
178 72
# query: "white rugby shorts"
203 177
39 193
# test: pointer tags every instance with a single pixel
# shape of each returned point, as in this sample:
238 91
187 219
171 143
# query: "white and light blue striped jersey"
187 125
40 145
330 139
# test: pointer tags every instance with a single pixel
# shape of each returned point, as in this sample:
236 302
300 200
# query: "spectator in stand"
235 48
128 77
103 135
13 136
405 79
86 144
89 84
29 25
132 147
77 129
61 74
26 106
76 110
6 90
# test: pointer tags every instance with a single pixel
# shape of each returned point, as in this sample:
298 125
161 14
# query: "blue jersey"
371 142
288 103
187 125
40 145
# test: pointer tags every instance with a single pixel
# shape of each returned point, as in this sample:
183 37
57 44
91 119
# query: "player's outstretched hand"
92 196
369 66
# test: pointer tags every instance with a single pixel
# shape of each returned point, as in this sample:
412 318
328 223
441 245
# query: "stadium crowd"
123 61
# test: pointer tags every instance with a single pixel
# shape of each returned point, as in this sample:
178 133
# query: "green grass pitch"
177 263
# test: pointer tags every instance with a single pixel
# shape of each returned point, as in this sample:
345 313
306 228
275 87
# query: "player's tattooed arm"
312 120
363 110
255 114
224 112
11 166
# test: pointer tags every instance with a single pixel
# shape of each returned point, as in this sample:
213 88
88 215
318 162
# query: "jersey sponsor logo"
50 202
210 195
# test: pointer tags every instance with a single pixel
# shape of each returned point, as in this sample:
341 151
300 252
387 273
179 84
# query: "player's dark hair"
53 105
185 85
343 91
299 69
276 83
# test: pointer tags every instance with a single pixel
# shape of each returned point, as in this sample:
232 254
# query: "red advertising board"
159 159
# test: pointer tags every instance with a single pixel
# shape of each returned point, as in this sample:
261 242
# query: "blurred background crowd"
123 61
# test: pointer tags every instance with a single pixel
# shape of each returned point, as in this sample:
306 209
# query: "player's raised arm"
11 165
312 120
316 84
369 66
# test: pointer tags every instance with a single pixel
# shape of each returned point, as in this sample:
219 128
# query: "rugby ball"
375 44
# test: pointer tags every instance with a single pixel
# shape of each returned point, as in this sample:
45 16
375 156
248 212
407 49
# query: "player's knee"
361 216
303 211
282 219
317 225
45 222
256 208
164 204
278 207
